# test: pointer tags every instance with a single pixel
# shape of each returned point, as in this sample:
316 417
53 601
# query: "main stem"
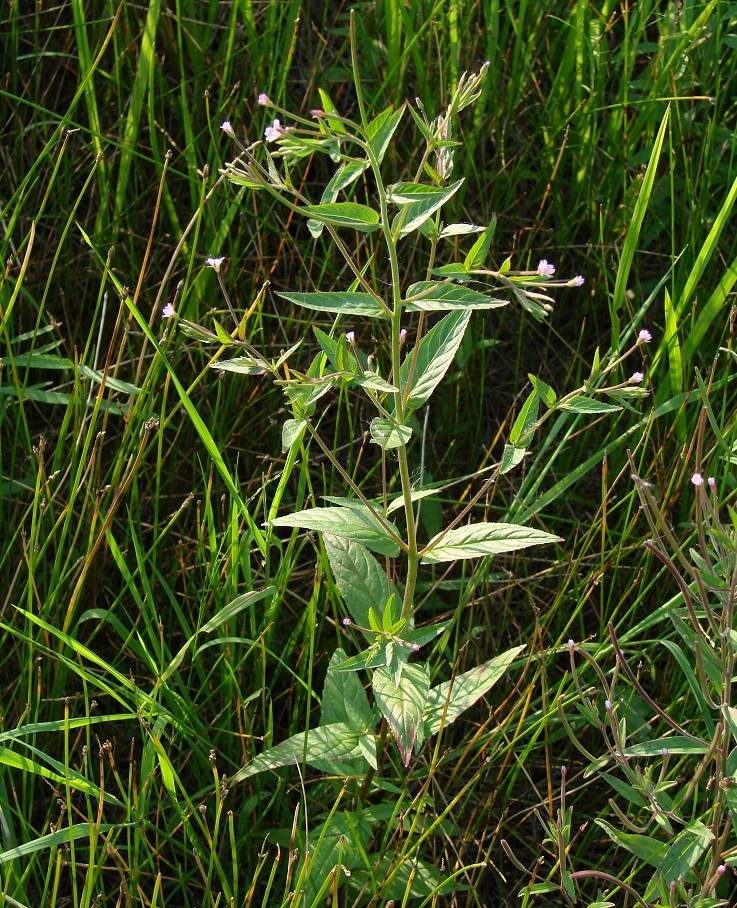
413 560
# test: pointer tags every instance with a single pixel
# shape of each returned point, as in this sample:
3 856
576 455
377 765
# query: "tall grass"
135 484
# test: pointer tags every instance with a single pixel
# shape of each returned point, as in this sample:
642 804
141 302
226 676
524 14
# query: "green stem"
413 560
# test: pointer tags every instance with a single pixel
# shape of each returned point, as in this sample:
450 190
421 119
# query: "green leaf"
292 432
423 635
58 774
343 177
459 230
403 704
455 271
544 391
435 353
376 383
345 302
232 609
329 108
409 193
339 355
464 691
96 376
526 422
633 231
361 527
244 365
344 699
646 848
344 214
682 855
381 129
581 404
372 657
327 743
396 878
478 539
360 578
389 434
417 202
480 249
61 837
435 296
676 744
511 457
367 743
225 339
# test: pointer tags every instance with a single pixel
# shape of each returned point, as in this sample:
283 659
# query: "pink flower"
644 337
317 112
350 337
712 483
402 335
545 269
227 128
264 100
272 133
698 480
577 281
346 621
215 263
636 378
168 311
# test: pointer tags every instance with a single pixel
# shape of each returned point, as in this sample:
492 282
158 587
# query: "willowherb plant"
677 792
380 597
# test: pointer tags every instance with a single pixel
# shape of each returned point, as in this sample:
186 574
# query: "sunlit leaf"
436 296
479 539
434 356
343 301
359 526
402 705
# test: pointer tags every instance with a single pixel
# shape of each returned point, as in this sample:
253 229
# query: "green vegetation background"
119 536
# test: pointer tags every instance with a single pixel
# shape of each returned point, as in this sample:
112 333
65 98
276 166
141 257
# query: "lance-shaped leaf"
683 853
461 693
459 230
402 705
360 578
245 365
360 526
480 249
437 296
479 539
417 203
526 422
434 356
388 433
381 129
344 699
581 404
327 743
342 178
511 457
344 214
292 432
344 301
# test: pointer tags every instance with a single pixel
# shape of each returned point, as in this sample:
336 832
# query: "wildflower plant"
426 320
